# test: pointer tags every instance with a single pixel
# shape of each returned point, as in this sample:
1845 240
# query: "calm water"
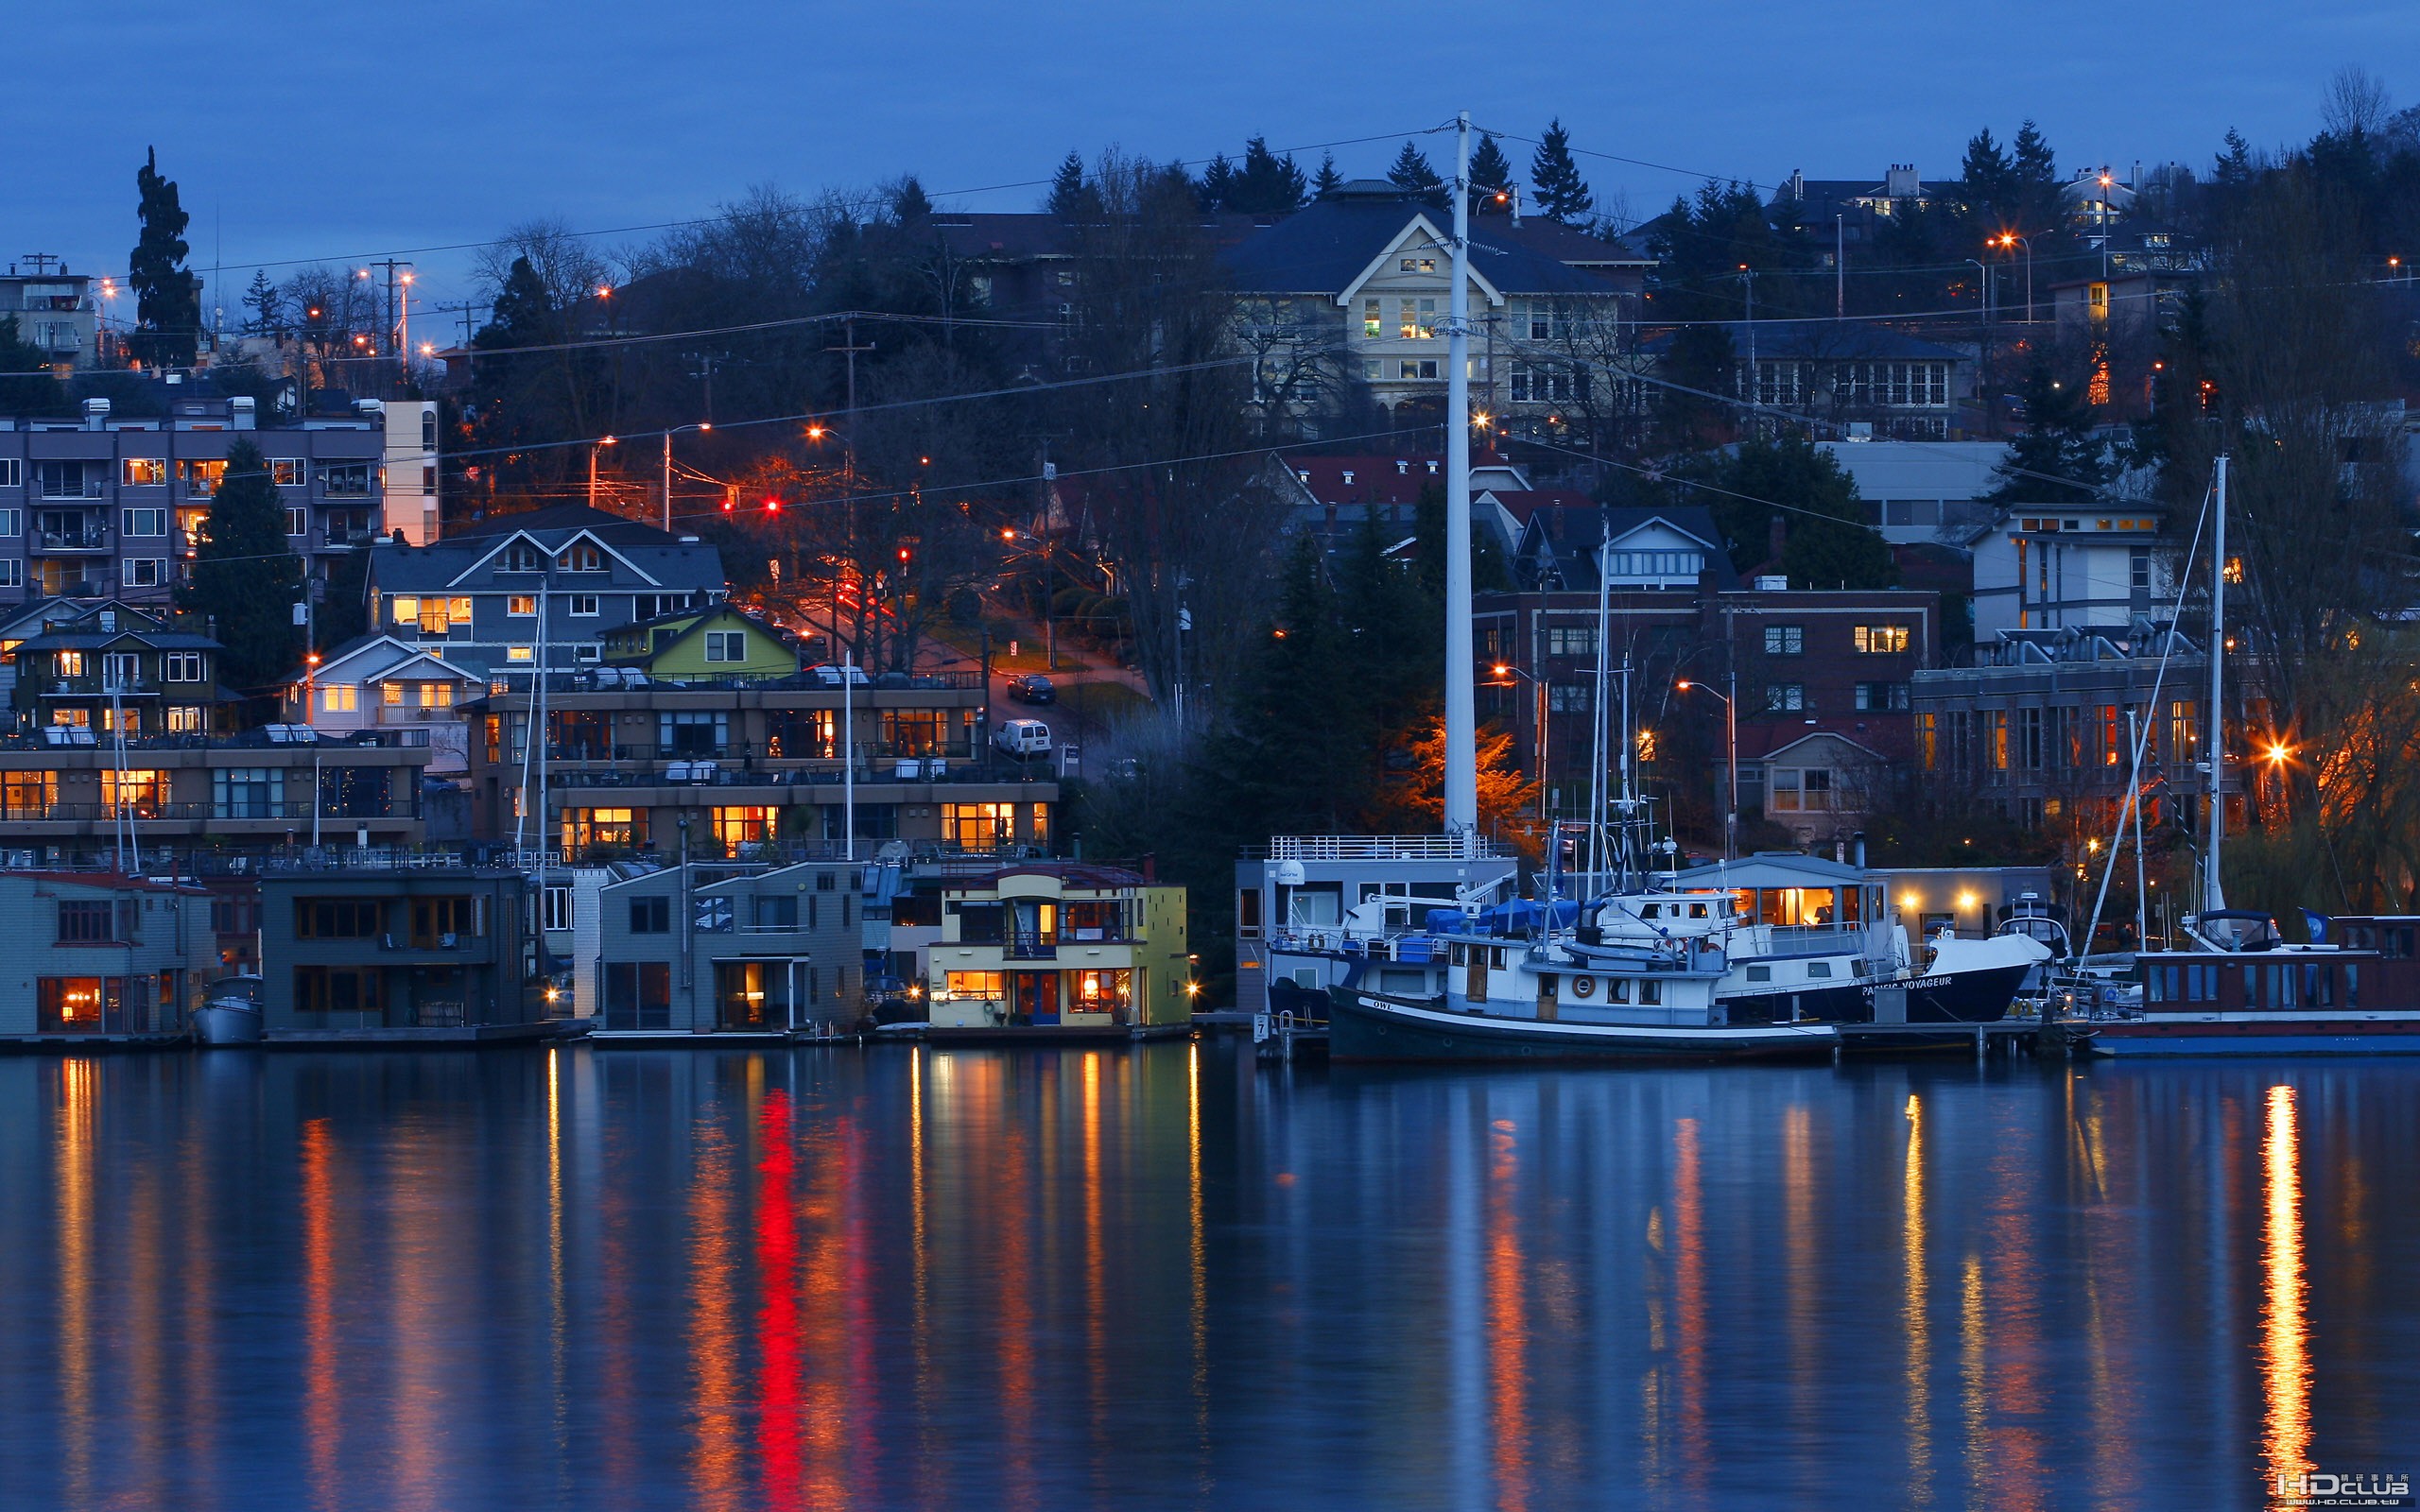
1163 1277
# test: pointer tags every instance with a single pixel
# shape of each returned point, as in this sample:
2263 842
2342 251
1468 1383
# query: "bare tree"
2355 102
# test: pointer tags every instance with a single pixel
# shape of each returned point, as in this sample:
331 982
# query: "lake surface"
1165 1276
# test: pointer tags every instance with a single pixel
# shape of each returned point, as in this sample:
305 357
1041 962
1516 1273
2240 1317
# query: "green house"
714 640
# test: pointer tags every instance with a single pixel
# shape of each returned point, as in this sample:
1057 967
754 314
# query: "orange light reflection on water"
322 1430
716 1451
1917 1322
79 1090
1688 1285
2285 1347
1507 1322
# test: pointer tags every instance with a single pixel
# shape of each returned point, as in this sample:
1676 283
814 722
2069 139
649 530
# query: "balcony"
1025 947
48 542
104 686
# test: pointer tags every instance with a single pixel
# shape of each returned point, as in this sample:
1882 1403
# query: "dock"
1281 1036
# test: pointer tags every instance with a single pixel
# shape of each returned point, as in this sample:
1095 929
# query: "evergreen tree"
1826 542
1414 176
1071 197
2234 166
1990 175
2032 162
1563 193
168 306
2057 459
1217 183
267 304
909 204
1329 180
1267 184
243 575
1492 184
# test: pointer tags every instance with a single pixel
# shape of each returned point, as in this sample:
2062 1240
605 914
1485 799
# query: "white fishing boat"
231 1015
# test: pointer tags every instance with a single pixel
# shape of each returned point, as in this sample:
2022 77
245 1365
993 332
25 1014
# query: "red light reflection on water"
777 1355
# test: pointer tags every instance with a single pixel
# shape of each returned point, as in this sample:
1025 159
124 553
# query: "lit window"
1882 640
404 608
520 605
144 472
520 653
340 697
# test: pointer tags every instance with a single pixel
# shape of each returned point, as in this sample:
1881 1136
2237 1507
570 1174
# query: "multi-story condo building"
507 596
54 310
729 767
111 505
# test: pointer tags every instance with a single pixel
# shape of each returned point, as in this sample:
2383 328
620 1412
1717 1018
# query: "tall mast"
2214 721
1461 741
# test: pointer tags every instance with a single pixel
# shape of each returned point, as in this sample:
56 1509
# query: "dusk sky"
308 131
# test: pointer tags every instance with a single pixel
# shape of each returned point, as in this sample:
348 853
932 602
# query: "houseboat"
2243 990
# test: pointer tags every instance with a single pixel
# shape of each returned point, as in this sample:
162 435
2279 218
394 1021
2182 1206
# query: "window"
521 606
1785 640
1880 640
2138 569
1785 697
347 480
583 605
337 989
557 904
581 558
1571 640
1882 697
1371 320
13 574
146 572
339 697
248 792
1419 265
95 921
726 645
522 558
404 608
437 921
10 476
773 912
27 795
132 792
185 719
143 472
586 829
433 695
1418 369
743 826
289 471
66 479
1567 697
651 915
638 996
201 477
979 826
144 521
338 917
13 522
681 733
520 653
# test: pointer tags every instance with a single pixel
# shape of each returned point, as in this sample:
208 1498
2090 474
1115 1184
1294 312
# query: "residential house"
399 951
112 505
119 741
1300 884
1846 378
381 682
1332 496
1349 295
2047 566
1060 944
715 948
1921 493
506 596
720 766
714 640
55 310
100 955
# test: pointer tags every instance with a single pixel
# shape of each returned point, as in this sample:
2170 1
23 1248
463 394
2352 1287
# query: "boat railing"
1377 847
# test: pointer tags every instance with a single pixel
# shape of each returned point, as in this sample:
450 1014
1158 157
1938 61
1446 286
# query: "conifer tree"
1267 184
1414 176
26 387
1490 177
245 576
2057 459
908 203
267 303
1329 180
168 306
1071 197
1989 175
1562 192
1217 183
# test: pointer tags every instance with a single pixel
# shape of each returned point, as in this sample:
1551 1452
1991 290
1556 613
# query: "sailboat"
2240 987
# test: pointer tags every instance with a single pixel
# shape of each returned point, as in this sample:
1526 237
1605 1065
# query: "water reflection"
2285 1355
1161 1275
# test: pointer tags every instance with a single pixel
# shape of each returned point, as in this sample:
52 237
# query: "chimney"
1903 183
239 411
96 414
1776 536
1798 186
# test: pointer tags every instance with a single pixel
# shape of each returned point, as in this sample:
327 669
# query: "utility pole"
848 349
1840 270
1748 282
702 368
1460 794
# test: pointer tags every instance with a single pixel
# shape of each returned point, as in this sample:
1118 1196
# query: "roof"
1070 874
1772 869
1570 538
1821 340
1523 503
1325 248
1368 479
399 654
668 561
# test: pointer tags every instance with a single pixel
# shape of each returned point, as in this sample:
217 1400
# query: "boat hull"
224 1023
1366 1027
2257 1035
1981 996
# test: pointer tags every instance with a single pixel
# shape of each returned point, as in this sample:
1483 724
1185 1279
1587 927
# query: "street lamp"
1983 275
1730 740
1505 669
668 467
2010 241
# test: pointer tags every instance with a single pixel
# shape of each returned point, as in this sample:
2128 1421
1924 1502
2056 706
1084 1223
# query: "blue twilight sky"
322 130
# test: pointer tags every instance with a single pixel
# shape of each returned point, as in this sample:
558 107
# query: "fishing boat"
231 1015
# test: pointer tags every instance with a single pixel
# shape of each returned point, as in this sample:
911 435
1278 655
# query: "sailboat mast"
1596 709
2214 720
1462 733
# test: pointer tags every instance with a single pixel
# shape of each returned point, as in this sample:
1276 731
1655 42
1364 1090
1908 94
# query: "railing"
1030 948
589 681
719 775
44 540
332 744
1373 848
103 685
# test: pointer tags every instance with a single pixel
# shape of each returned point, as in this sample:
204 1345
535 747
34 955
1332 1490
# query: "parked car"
1023 737
832 675
1032 688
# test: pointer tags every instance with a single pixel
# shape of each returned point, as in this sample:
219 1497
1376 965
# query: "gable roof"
662 560
1327 248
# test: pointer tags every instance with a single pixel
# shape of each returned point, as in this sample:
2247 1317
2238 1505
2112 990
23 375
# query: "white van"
1023 737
